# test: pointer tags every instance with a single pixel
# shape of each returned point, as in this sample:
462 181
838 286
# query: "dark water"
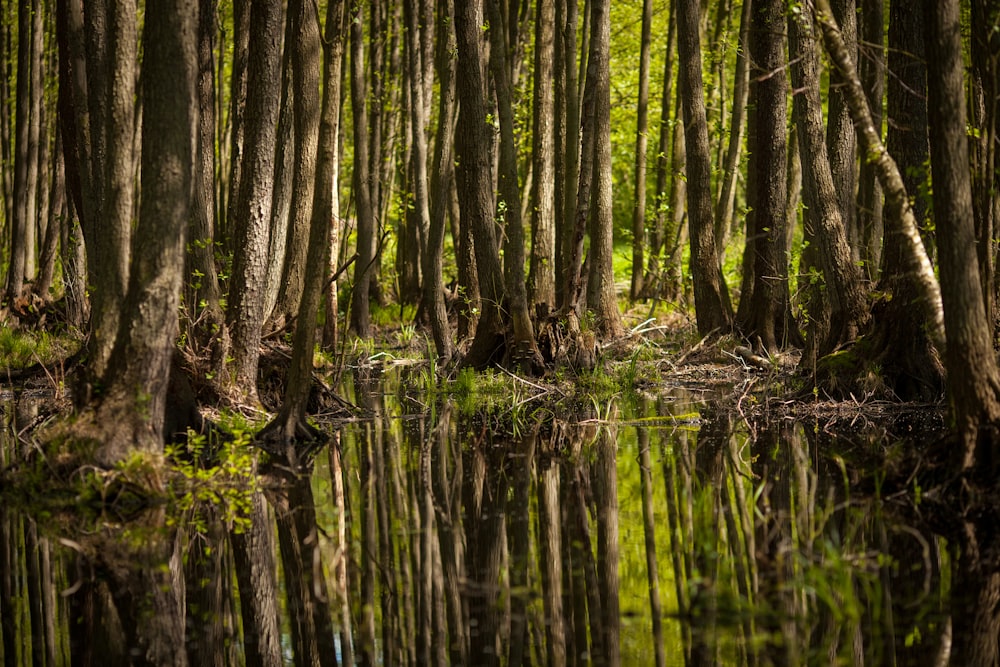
649 531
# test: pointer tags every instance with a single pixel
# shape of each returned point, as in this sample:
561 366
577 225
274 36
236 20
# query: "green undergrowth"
23 348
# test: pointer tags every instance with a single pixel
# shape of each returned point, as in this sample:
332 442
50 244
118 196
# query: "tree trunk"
237 118
542 276
252 210
844 293
569 259
765 314
132 408
973 380
641 131
522 351
713 309
841 142
602 297
364 202
442 177
305 60
475 184
290 424
871 71
253 559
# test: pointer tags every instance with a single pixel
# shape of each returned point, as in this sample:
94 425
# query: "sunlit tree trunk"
711 297
641 131
290 424
566 226
843 289
602 297
542 276
441 180
305 63
871 70
363 267
522 350
132 407
841 142
765 315
250 214
57 215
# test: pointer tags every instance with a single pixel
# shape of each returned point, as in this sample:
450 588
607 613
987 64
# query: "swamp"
499 332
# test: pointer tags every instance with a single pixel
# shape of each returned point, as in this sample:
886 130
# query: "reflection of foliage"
222 478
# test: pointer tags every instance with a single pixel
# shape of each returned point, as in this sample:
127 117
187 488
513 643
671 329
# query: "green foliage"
213 480
20 349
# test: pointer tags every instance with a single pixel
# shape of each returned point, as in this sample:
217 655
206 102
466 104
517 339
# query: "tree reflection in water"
665 531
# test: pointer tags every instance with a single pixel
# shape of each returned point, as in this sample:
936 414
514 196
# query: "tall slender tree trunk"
602 297
237 118
542 276
841 142
713 309
363 200
973 379
765 307
442 177
845 295
252 211
569 258
871 70
641 132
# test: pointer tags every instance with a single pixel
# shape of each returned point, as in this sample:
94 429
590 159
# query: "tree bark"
871 71
973 379
364 201
602 297
132 408
641 131
844 292
713 309
765 314
841 141
542 276
251 215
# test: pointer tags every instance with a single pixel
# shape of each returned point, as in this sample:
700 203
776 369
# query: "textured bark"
522 349
251 212
641 131
843 292
542 276
898 211
132 409
765 315
871 71
973 380
364 202
237 116
713 309
841 142
474 180
305 60
442 177
290 424
602 298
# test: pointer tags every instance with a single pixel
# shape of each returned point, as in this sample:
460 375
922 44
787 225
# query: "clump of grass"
20 349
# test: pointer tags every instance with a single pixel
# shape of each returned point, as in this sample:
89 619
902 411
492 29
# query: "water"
661 530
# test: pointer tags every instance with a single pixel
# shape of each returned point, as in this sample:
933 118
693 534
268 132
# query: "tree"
841 143
475 184
711 297
251 212
130 412
642 125
601 295
522 350
871 70
973 379
765 313
442 176
542 276
363 200
824 223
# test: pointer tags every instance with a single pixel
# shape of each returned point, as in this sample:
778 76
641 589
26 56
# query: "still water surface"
655 530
